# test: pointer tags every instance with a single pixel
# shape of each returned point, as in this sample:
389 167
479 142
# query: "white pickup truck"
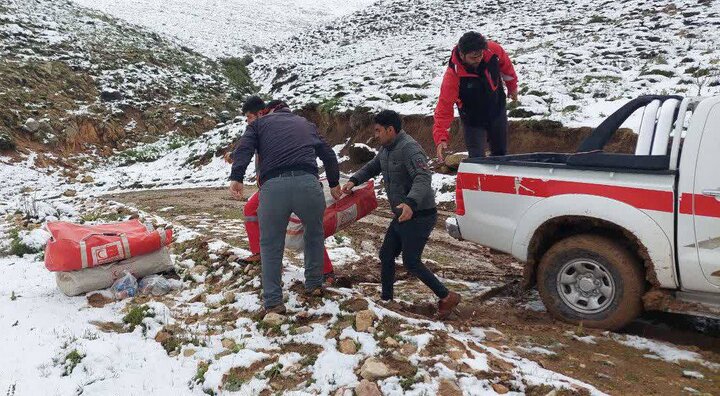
605 234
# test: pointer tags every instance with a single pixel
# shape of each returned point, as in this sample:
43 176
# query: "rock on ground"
364 320
367 388
449 388
373 369
273 319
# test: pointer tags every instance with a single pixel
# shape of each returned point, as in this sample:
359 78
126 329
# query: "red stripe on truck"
703 205
662 201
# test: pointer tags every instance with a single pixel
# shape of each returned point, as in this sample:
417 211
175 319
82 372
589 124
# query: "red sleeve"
507 71
445 109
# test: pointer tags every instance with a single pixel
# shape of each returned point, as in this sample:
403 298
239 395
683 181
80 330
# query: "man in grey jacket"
404 166
288 146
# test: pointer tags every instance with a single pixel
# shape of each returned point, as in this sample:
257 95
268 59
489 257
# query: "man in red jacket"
474 82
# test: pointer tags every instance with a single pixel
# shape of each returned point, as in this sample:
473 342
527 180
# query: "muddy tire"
591 279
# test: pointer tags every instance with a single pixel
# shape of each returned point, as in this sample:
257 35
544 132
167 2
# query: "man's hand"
514 96
406 212
441 147
347 188
336 192
236 189
228 158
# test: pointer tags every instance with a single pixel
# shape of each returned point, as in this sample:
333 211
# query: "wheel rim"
585 285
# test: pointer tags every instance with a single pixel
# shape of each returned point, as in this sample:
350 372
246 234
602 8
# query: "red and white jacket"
477 102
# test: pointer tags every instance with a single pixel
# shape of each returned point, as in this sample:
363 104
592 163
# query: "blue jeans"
293 192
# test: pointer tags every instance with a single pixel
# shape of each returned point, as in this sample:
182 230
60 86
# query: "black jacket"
405 170
285 142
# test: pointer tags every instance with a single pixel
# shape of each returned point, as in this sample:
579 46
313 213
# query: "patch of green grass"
99 215
172 344
589 79
513 105
236 71
329 106
541 125
135 316
537 93
580 331
202 369
273 371
520 113
407 382
177 142
403 98
571 108
308 360
6 142
17 247
233 382
339 238
72 359
598 19
419 86
269 329
666 73
141 154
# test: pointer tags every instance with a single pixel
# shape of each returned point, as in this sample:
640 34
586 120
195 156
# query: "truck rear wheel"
591 279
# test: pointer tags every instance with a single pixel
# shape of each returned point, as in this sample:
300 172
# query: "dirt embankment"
524 136
52 92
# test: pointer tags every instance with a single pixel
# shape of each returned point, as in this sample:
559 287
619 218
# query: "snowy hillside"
71 77
158 103
227 28
575 58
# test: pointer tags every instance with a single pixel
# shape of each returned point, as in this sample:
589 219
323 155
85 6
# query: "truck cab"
606 235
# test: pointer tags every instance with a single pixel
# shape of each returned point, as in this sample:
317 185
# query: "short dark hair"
389 118
471 42
253 104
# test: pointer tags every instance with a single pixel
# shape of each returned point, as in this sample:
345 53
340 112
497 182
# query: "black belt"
288 173
292 173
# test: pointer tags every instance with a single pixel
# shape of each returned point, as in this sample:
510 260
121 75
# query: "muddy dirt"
493 298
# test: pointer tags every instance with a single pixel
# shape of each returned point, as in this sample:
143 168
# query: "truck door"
706 198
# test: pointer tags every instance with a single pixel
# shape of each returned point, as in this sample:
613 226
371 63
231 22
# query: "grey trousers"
301 194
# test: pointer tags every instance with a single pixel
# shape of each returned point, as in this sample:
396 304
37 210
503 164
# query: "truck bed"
594 160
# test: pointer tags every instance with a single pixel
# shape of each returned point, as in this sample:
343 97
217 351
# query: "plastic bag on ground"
126 286
73 283
157 285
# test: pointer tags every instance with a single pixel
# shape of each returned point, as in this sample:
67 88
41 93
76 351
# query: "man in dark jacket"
289 146
474 82
404 166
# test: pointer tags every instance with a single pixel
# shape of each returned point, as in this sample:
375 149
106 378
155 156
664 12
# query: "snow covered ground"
227 28
364 58
53 342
